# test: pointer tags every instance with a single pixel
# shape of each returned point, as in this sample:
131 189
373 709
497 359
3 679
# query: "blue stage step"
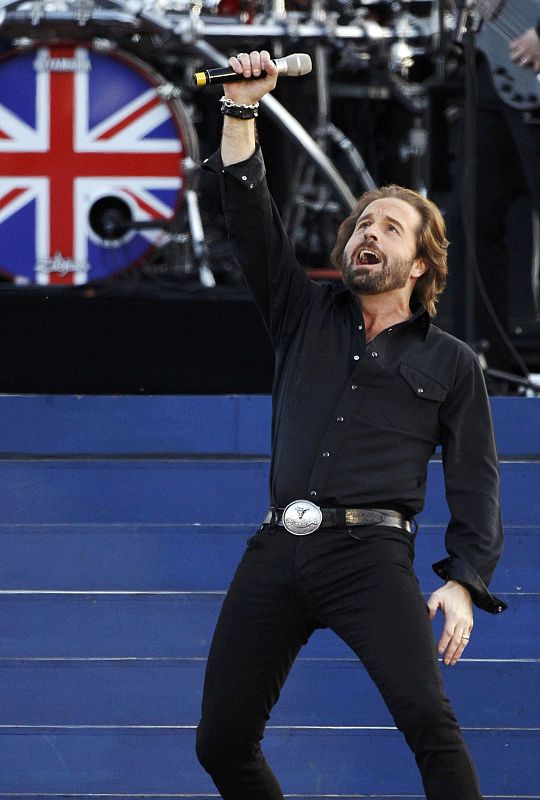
235 425
180 625
167 557
484 694
214 796
180 491
122 522
307 760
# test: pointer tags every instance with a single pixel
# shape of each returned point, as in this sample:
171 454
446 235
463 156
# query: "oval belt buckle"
302 517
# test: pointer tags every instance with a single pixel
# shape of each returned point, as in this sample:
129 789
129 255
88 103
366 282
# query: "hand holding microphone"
250 76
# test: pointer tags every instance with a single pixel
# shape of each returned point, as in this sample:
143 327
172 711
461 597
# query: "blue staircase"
122 521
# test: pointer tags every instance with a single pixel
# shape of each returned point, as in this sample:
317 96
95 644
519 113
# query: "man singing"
365 389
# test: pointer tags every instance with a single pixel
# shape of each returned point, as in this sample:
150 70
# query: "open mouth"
367 257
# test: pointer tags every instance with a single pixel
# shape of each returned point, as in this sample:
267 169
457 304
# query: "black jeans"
365 590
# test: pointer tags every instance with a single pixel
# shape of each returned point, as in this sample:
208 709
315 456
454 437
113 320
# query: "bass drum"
94 150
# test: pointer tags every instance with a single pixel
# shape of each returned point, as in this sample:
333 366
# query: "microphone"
292 66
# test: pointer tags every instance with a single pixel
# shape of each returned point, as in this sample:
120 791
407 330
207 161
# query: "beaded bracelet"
238 110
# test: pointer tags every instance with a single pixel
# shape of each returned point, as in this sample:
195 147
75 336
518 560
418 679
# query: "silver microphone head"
295 64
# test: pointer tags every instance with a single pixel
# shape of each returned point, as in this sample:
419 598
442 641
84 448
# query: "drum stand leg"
307 193
198 242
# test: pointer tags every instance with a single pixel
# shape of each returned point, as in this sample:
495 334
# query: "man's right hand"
252 64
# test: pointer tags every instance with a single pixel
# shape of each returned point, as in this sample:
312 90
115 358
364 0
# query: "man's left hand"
455 602
525 50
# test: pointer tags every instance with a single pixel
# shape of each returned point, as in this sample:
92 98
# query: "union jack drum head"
91 144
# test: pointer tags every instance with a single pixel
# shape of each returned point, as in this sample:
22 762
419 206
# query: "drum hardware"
401 58
444 23
169 92
84 11
111 220
279 9
52 19
412 95
198 241
186 28
414 150
291 127
308 193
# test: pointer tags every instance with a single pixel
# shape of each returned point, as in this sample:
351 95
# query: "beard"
367 280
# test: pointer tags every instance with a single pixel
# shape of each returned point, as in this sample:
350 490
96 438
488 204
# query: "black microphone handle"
222 75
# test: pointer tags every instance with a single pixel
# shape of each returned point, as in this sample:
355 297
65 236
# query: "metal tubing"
290 125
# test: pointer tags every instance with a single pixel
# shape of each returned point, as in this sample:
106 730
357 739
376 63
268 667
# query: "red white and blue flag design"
77 126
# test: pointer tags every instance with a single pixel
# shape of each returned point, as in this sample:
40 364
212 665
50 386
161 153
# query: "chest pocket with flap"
412 406
422 385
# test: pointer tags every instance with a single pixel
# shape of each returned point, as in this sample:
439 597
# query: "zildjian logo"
61 265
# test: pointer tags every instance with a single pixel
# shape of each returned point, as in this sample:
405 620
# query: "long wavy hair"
431 241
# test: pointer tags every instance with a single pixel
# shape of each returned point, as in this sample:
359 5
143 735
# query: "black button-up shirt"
355 423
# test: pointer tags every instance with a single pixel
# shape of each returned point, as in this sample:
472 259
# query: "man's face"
380 255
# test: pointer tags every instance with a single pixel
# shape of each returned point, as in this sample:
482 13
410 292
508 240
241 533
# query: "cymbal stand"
199 245
310 196
199 262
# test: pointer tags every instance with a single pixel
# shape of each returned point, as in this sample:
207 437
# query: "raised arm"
238 141
278 284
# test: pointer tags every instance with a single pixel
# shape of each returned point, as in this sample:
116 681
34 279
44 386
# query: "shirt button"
326 454
354 387
313 493
251 185
356 358
420 390
339 419
389 330
244 177
374 354
359 327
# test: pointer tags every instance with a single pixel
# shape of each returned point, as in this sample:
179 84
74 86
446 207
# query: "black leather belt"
302 517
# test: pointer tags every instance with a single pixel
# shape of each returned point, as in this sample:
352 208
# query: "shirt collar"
420 319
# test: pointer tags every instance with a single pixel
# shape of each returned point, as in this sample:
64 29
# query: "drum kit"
99 150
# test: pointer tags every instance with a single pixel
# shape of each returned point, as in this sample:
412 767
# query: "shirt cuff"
455 569
249 173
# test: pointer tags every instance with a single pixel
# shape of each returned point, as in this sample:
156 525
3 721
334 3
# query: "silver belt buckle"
302 517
